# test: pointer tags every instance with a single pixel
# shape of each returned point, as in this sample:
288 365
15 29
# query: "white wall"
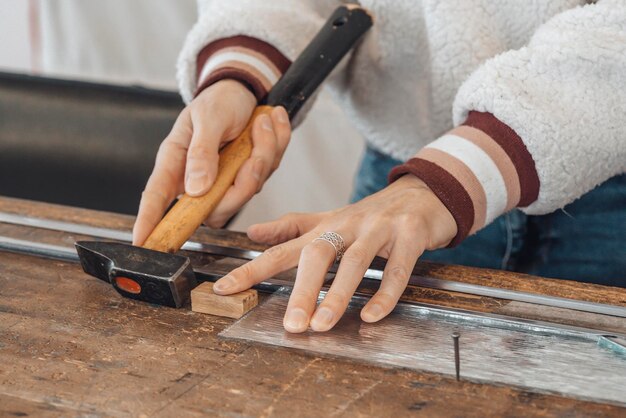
115 41
137 42
15 50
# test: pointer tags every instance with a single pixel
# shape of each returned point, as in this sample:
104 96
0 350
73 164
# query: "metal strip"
539 356
522 324
117 235
20 246
538 299
429 282
614 343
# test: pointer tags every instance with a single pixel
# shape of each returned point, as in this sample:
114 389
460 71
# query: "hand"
397 223
187 158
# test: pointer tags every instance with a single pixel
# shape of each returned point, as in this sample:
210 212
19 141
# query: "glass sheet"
535 357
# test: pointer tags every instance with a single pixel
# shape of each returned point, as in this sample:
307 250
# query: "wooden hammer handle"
334 40
189 212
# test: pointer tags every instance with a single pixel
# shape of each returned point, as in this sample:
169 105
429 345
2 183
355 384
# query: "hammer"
153 273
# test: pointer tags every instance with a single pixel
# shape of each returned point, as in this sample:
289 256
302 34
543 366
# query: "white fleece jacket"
503 103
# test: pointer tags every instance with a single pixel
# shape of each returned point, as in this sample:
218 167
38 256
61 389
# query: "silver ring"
336 241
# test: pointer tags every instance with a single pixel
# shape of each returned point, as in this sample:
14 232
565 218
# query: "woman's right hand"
187 159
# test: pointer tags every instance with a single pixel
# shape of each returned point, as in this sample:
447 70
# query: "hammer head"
139 273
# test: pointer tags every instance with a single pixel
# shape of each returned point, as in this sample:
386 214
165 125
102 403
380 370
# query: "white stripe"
221 57
483 168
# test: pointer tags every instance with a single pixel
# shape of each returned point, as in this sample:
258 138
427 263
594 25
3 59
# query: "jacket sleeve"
536 127
251 41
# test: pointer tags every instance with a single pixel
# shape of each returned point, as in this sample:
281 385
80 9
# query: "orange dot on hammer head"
128 285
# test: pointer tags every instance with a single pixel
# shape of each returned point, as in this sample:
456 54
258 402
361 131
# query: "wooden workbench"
71 346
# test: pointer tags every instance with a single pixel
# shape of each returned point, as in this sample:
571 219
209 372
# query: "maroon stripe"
513 145
446 188
273 54
232 73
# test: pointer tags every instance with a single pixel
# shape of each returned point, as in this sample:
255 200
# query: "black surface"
339 34
80 144
163 279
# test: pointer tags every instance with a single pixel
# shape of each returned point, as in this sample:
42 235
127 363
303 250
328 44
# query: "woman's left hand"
398 223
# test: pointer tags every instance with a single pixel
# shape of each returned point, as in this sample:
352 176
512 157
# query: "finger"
288 227
396 275
315 260
202 157
352 268
251 175
282 128
265 146
273 261
244 188
151 209
165 182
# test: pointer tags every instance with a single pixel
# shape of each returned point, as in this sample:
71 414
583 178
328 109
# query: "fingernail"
373 313
266 123
196 182
257 168
225 284
322 319
295 320
282 115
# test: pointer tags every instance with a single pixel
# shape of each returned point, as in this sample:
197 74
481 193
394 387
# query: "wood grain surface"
204 300
71 346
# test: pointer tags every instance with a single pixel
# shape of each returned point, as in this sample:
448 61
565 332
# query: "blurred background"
88 92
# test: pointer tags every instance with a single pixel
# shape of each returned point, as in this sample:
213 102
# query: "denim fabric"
585 241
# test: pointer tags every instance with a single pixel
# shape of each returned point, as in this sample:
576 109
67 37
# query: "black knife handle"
338 35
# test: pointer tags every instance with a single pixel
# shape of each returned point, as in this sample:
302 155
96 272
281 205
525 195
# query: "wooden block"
232 306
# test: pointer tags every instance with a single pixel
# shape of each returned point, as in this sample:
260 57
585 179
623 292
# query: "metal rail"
613 342
9 244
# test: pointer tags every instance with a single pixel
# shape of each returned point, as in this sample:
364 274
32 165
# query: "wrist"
228 89
256 64
479 170
412 182
238 89
439 221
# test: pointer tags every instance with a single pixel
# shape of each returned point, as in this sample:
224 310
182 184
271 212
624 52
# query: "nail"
322 319
266 123
257 168
281 115
225 284
457 356
196 182
295 320
374 312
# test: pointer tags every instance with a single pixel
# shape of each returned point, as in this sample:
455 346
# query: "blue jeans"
585 241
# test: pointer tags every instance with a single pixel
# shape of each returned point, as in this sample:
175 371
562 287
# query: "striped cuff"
256 64
479 171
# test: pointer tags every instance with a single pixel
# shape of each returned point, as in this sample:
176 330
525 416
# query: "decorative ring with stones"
336 241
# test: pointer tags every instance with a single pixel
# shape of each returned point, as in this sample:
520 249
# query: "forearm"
542 124
563 95
251 41
478 170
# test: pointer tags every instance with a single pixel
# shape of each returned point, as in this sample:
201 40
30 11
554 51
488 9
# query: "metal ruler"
65 253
